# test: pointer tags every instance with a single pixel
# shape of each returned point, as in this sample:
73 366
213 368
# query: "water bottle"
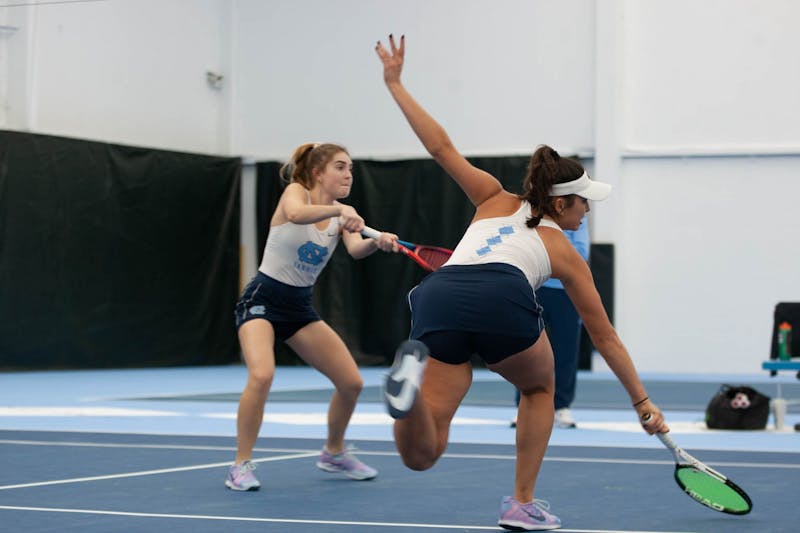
785 341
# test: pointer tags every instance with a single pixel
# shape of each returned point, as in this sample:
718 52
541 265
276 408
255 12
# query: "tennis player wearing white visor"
482 302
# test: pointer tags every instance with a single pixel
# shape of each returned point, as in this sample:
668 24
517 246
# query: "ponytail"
546 168
296 169
307 158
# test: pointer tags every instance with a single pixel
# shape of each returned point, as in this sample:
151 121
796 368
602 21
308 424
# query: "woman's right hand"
350 220
392 62
651 418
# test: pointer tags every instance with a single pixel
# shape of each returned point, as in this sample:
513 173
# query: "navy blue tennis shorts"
286 307
489 310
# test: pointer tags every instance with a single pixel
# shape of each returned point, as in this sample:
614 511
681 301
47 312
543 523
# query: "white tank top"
507 240
295 254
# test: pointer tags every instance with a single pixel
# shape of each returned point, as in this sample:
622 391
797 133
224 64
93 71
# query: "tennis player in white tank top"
307 224
557 193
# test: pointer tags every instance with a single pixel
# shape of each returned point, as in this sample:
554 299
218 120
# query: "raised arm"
477 184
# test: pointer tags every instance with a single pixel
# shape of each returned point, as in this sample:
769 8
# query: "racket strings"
713 492
435 257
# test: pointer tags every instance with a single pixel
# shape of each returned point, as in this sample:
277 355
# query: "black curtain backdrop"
365 301
115 256
601 262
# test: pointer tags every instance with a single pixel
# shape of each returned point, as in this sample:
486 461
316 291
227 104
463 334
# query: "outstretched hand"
651 418
392 60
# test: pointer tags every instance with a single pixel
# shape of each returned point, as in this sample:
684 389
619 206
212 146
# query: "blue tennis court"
136 450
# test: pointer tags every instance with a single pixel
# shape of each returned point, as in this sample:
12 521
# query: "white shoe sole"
402 383
234 487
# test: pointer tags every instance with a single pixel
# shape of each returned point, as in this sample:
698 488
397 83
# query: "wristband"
640 402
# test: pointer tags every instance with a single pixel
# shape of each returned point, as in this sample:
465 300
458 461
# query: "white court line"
140 446
654 462
508 457
297 521
154 472
78 411
613 461
170 446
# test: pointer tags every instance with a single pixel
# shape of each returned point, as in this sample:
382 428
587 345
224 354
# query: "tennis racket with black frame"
704 484
428 257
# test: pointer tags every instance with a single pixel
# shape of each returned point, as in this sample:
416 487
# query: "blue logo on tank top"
312 253
495 240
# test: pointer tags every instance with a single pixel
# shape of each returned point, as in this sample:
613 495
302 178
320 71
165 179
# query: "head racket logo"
703 500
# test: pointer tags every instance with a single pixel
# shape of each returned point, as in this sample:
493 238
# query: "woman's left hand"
387 242
392 61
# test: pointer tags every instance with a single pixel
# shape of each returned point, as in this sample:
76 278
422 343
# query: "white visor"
583 187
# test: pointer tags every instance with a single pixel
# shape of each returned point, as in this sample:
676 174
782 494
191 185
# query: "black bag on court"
739 407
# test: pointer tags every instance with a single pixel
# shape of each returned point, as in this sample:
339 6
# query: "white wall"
705 213
690 109
127 71
709 249
717 76
501 76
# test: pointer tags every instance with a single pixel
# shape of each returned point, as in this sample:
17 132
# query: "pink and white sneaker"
241 477
346 463
533 516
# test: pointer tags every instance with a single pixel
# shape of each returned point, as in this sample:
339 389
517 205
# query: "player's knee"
351 388
418 462
421 456
261 378
541 388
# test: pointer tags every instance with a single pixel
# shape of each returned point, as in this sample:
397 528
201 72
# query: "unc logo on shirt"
311 253
495 240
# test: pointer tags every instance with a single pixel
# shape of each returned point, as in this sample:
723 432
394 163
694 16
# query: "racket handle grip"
370 233
667 440
663 437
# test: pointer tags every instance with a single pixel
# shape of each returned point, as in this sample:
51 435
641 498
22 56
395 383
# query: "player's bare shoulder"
500 204
554 239
561 253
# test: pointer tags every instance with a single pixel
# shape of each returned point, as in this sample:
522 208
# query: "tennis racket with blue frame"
428 257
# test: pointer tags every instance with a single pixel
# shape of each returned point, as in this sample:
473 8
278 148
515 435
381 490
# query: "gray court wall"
689 108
